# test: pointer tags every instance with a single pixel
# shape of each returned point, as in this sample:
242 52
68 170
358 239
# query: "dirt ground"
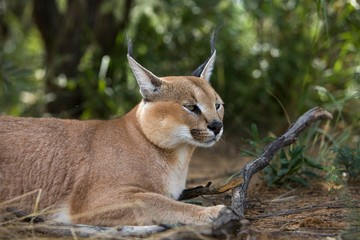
318 212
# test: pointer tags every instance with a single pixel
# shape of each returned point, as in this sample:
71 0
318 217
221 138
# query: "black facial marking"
195 133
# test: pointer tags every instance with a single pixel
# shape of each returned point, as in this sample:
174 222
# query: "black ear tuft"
200 69
129 45
213 40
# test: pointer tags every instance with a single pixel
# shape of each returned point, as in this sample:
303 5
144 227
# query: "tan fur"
126 171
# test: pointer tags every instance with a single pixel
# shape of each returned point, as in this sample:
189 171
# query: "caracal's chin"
205 142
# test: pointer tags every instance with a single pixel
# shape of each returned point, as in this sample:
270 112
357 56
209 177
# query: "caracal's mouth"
203 140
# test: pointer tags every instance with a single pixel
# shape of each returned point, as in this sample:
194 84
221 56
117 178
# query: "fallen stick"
230 219
289 137
240 180
87 231
24 216
41 225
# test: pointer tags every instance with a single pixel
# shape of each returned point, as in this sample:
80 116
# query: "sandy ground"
316 212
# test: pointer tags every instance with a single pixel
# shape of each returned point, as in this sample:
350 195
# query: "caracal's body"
126 171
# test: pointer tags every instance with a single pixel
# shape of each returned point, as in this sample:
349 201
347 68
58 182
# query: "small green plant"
256 143
292 166
348 161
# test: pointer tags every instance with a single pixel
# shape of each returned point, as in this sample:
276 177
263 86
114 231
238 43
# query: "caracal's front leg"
145 208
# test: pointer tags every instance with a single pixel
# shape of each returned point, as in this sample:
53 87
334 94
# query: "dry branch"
58 229
24 216
231 217
242 178
289 137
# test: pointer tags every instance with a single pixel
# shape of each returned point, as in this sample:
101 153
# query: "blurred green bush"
276 58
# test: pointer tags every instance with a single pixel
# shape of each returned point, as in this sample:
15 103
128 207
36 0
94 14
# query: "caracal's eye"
217 106
192 108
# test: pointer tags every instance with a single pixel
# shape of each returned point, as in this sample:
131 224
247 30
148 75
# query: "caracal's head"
179 110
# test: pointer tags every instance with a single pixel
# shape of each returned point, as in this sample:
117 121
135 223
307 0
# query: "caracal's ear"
148 82
205 69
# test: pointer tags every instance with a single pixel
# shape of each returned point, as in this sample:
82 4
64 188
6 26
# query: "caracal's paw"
211 213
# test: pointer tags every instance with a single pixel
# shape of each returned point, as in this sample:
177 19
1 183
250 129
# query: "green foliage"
16 94
292 166
289 166
348 161
297 53
256 142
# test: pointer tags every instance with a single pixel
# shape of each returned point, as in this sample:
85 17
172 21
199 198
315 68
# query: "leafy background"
272 55
276 58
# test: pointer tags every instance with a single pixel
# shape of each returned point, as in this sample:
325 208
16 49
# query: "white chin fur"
182 135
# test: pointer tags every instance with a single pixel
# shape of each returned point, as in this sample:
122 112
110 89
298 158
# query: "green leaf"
255 132
311 174
300 180
311 163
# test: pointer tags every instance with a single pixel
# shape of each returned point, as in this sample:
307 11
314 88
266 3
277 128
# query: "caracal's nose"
215 126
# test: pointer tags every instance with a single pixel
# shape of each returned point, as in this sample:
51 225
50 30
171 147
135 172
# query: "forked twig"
231 217
242 178
289 137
